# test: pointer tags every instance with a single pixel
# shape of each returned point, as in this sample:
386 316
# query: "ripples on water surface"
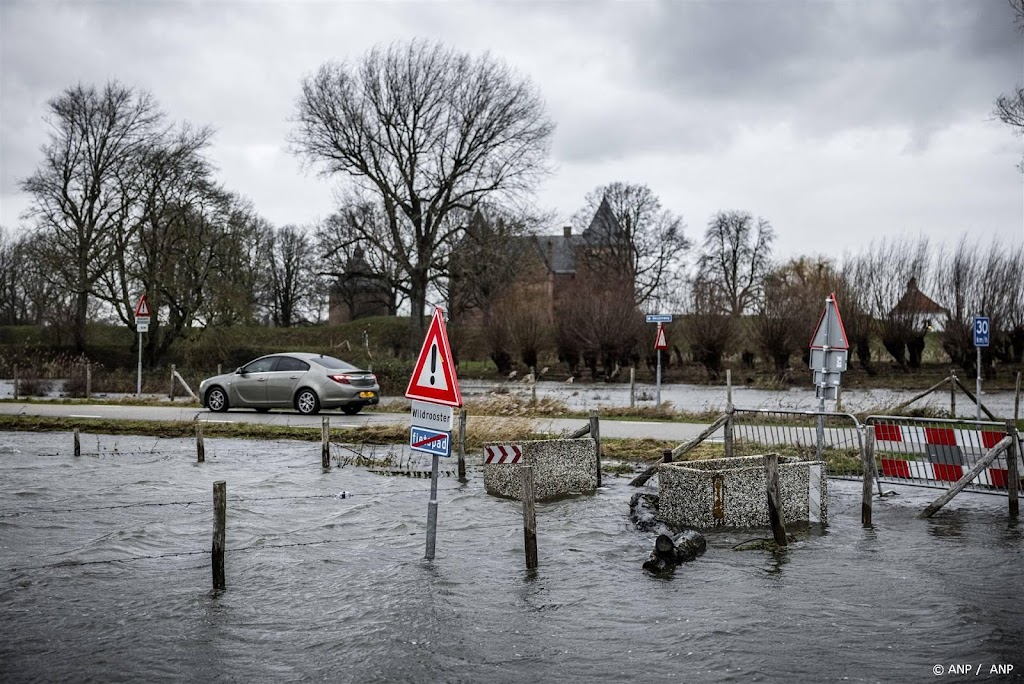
864 605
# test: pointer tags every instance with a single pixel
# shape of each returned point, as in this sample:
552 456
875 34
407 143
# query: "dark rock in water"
671 551
643 512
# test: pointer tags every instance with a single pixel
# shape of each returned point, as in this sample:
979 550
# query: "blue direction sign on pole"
659 318
430 441
981 331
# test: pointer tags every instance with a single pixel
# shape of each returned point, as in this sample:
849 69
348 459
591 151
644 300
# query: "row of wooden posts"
175 379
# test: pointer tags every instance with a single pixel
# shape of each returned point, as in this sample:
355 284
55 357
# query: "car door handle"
262 380
294 377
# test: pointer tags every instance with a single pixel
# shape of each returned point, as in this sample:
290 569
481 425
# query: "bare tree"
428 131
600 316
736 258
294 288
710 327
78 191
1010 106
644 240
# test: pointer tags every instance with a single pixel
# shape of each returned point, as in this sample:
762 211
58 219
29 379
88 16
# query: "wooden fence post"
200 447
1012 475
952 396
666 456
595 432
727 433
462 445
533 384
78 444
218 369
632 386
88 380
170 394
15 382
529 517
771 476
325 442
220 505
868 469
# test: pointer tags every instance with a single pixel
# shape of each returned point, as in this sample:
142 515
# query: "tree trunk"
81 316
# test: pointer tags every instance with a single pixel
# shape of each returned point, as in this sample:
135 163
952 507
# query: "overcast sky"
839 122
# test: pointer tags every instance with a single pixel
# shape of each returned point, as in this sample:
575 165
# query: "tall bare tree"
428 131
79 199
735 260
1010 106
294 289
646 240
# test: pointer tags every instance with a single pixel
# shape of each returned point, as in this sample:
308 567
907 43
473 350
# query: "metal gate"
833 437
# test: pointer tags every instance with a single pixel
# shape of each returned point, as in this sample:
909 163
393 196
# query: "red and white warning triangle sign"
433 377
660 343
142 308
830 331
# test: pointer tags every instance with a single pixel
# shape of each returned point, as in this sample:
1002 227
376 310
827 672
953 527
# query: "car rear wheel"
307 402
217 400
352 409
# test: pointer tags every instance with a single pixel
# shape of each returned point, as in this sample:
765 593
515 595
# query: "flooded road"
106 577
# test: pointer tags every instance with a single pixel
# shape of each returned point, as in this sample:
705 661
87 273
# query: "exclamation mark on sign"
433 362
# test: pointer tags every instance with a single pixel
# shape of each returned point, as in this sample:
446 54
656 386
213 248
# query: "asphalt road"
680 432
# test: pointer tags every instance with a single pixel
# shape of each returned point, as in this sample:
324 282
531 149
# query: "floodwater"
586 396
106 577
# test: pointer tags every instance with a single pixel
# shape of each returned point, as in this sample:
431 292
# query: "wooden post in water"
868 469
666 456
529 517
170 394
771 476
78 444
220 508
632 386
1012 475
325 442
462 445
595 432
200 447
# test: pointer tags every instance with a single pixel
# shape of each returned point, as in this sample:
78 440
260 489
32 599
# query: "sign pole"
821 389
138 383
658 379
432 510
977 393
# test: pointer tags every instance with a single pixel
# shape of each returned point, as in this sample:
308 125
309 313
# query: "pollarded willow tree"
428 132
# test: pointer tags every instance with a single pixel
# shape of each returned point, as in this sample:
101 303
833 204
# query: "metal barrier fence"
938 452
833 437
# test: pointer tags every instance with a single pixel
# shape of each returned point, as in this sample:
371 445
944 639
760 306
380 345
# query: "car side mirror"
239 371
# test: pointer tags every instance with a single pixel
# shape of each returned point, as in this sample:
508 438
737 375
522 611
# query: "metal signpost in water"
660 345
981 339
434 389
142 326
829 352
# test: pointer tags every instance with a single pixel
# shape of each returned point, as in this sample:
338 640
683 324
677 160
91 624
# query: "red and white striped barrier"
503 453
945 450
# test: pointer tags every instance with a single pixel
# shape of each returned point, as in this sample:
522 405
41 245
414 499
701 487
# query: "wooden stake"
88 380
325 442
78 444
666 456
958 487
771 475
974 400
200 448
728 433
952 396
15 382
533 384
462 445
595 432
170 394
632 386
218 369
928 391
529 517
728 389
220 507
868 469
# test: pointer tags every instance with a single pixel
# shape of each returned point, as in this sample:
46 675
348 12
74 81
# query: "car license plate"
366 395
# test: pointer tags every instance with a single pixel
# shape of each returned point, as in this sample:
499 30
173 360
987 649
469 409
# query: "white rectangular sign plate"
433 416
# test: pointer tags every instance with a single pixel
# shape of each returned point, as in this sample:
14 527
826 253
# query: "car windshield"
333 363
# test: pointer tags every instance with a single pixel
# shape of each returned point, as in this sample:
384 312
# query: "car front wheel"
307 402
217 400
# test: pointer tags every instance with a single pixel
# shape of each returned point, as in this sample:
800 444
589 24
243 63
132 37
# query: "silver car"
304 382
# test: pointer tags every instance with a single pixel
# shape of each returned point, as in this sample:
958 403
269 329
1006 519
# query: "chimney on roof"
567 231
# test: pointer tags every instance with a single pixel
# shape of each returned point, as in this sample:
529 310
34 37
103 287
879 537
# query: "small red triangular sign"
433 377
660 343
830 331
142 308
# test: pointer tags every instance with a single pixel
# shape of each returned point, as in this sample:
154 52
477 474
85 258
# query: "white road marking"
75 415
216 421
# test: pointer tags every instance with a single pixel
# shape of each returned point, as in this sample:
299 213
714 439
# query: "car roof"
307 356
